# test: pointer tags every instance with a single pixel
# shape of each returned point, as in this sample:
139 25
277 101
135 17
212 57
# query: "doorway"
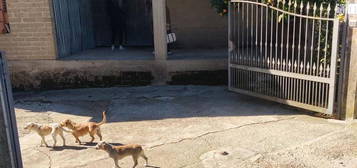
84 28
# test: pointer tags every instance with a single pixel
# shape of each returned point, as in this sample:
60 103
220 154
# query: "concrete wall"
349 85
31 34
351 77
58 74
30 47
197 25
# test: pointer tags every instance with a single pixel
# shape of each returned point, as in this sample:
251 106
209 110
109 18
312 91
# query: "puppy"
43 130
119 152
81 129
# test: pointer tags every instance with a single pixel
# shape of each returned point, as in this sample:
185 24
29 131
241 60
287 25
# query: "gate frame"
8 114
332 80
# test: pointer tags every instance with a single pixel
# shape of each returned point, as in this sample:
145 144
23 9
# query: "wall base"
65 74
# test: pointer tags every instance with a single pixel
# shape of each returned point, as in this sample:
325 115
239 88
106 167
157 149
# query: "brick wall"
32 31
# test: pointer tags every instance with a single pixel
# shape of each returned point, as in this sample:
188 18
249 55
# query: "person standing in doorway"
117 22
168 29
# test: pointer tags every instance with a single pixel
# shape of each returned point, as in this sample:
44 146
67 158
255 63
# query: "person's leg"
121 37
121 30
114 34
169 48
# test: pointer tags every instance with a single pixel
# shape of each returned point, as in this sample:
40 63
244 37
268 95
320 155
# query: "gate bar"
282 73
335 40
283 11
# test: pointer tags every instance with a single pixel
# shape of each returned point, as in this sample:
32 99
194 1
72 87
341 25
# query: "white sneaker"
113 47
168 53
121 47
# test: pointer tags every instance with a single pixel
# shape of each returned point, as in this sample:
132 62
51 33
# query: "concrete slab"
185 126
106 53
146 53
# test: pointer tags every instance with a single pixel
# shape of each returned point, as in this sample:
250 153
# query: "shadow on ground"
61 148
149 103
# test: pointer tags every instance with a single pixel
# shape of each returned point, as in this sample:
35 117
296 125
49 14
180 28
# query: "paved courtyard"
185 127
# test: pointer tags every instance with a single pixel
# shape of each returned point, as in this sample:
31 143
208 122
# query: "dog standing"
119 152
81 129
43 130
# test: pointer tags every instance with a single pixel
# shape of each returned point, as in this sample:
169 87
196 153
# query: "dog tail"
104 119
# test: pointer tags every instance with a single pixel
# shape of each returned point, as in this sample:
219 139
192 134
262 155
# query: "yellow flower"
269 2
341 17
280 18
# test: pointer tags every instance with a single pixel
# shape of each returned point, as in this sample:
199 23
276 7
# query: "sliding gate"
285 52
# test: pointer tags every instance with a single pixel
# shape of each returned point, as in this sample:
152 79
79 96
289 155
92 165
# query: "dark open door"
139 22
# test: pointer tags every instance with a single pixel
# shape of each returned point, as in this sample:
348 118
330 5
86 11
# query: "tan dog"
81 129
119 152
43 130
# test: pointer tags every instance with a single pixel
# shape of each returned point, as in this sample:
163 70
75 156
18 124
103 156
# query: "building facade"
32 47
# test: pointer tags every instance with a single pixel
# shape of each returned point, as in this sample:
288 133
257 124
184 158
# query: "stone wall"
32 31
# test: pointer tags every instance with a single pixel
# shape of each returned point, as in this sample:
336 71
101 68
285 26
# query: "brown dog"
119 152
81 129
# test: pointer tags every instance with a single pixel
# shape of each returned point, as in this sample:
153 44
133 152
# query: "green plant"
221 6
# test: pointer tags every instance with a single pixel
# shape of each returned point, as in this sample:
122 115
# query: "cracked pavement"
184 127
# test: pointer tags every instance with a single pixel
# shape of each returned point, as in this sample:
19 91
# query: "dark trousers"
118 32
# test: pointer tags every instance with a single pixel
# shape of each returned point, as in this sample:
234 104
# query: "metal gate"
9 140
285 52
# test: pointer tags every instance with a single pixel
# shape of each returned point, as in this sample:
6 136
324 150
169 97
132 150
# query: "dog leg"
44 141
92 136
54 137
135 159
64 140
116 165
41 143
146 158
99 133
77 139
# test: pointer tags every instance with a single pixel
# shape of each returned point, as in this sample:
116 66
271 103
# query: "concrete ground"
140 53
185 127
